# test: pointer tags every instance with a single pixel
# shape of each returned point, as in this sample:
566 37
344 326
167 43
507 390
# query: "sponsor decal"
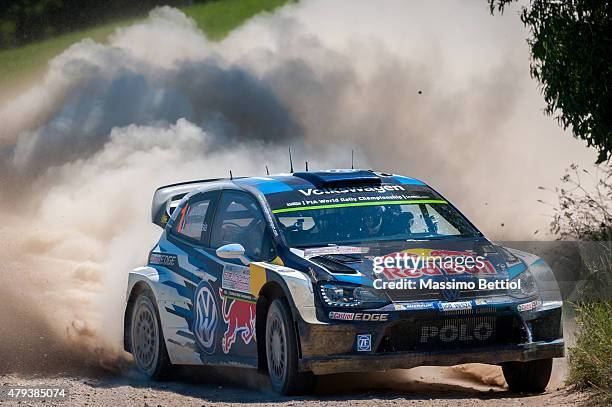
327 191
364 343
362 316
322 251
456 306
164 260
206 318
243 279
274 267
457 332
239 315
309 205
269 217
528 306
358 316
493 300
408 306
342 316
236 278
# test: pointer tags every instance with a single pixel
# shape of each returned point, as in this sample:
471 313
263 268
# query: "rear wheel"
148 347
528 377
282 352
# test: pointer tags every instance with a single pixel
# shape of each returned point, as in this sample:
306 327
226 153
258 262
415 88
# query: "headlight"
527 284
354 296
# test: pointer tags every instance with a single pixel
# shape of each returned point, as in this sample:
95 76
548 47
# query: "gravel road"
472 385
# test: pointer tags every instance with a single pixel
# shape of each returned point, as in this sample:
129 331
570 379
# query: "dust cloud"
439 93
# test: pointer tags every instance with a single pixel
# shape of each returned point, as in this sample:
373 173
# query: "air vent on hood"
335 263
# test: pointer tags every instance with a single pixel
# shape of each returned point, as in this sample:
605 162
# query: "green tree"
24 21
571 57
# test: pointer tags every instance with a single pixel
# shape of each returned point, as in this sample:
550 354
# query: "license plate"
457 305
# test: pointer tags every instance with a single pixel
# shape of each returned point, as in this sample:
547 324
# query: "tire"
147 339
282 352
527 377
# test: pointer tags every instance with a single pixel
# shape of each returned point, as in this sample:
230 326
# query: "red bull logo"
239 315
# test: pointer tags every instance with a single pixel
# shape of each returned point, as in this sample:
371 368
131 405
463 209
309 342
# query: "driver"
372 220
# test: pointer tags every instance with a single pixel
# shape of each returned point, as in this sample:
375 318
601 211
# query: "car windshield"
366 216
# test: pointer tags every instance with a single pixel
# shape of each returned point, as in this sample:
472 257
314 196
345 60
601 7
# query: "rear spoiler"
167 198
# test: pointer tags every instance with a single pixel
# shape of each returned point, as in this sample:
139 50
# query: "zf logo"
461 332
364 343
206 318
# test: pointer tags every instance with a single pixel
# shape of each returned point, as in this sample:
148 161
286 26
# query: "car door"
191 321
239 219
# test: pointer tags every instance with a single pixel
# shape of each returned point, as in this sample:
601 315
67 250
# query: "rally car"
294 275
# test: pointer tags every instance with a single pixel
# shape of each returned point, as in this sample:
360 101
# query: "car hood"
356 264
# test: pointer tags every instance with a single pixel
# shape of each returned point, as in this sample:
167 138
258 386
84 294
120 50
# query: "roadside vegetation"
571 51
590 361
584 213
215 18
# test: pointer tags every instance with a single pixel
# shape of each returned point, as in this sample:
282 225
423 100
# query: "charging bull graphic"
239 316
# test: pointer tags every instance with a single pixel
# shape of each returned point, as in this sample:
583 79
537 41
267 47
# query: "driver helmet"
372 219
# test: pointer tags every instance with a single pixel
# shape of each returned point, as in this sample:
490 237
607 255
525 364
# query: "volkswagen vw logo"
450 294
206 317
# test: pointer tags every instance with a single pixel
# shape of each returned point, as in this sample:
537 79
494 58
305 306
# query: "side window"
240 220
191 220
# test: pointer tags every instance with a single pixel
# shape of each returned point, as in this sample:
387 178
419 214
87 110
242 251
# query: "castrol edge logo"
416 263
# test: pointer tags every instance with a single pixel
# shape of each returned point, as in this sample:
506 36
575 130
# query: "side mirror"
233 251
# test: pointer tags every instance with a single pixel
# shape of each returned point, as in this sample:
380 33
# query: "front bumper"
405 360
331 346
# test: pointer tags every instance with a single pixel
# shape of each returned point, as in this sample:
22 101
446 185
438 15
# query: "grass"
215 18
590 361
17 63
218 18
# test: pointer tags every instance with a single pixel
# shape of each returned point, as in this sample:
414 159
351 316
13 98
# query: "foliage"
585 204
571 52
585 213
24 21
590 361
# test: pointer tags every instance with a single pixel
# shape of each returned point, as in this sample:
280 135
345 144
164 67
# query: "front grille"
436 295
453 330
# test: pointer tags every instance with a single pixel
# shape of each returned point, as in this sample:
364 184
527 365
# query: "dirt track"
205 387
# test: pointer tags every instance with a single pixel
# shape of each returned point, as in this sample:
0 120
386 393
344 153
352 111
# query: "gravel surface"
476 386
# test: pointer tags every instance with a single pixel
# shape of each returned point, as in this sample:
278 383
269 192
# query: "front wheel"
148 347
528 377
282 352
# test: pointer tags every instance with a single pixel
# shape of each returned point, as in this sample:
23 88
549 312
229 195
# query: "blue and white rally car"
312 273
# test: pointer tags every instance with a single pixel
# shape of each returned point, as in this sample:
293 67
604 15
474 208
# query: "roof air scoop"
340 178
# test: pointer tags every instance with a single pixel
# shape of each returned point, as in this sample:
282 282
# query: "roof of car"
332 178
